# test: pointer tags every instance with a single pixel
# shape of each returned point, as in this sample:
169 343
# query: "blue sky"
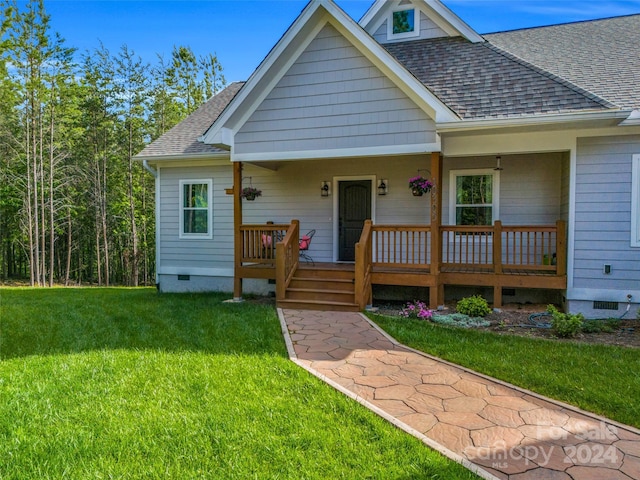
242 32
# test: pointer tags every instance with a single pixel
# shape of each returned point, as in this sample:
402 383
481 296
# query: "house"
531 139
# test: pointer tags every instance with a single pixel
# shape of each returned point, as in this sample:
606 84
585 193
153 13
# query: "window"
402 23
473 197
196 208
635 201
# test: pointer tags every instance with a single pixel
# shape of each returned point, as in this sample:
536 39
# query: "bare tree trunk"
51 220
103 213
132 213
32 272
98 263
36 213
69 250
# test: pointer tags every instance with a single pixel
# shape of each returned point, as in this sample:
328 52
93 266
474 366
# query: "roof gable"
446 23
304 30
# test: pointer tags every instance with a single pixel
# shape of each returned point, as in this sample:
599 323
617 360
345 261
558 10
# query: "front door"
354 208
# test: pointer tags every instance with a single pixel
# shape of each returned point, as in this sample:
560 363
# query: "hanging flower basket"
420 185
250 193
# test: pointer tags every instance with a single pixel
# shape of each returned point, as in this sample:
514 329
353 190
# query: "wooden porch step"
338 284
328 295
318 305
322 287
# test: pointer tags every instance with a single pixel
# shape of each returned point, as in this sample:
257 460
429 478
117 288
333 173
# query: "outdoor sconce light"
383 187
324 189
498 163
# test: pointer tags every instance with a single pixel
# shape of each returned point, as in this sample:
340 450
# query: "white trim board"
196 271
339 153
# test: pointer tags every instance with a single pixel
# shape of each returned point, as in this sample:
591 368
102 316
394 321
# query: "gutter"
632 119
149 168
524 121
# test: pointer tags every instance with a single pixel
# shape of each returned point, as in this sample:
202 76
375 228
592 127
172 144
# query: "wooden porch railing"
287 254
259 242
401 246
363 254
504 249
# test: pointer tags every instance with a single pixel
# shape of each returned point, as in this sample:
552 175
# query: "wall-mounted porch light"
324 189
383 187
498 163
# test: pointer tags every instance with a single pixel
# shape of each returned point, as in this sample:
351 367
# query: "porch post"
436 293
497 263
561 248
237 235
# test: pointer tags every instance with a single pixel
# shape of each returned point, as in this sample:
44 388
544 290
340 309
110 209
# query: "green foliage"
128 383
69 127
460 320
474 306
565 325
598 326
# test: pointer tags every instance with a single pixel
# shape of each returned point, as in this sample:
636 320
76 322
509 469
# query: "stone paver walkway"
493 428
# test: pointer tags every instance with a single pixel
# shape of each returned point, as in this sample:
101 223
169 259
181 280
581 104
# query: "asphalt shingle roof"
602 56
183 138
478 80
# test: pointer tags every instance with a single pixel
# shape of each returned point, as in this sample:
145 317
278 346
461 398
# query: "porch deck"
409 255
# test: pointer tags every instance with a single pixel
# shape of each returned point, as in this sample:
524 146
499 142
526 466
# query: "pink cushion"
304 243
266 240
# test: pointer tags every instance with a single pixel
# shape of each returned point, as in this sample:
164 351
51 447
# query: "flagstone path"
493 428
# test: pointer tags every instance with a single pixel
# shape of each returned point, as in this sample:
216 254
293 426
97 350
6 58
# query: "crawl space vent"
605 305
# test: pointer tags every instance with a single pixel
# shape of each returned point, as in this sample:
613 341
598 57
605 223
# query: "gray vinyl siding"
184 253
603 214
293 192
428 29
333 97
530 186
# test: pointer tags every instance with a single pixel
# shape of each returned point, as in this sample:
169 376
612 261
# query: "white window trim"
196 236
416 23
635 200
495 205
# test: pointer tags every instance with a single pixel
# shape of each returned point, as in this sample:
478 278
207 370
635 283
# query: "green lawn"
597 378
126 383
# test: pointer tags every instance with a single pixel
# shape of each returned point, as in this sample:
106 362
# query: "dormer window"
403 23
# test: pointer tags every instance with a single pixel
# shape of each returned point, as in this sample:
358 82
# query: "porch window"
402 23
196 208
473 197
635 201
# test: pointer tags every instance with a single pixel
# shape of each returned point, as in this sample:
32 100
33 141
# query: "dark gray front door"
354 208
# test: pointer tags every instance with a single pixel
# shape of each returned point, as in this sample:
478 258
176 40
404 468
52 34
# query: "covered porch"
496 256
433 255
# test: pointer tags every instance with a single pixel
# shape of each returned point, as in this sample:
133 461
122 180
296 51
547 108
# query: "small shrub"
565 325
474 306
460 320
416 309
600 326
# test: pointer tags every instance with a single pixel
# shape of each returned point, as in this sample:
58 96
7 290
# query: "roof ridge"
574 22
556 78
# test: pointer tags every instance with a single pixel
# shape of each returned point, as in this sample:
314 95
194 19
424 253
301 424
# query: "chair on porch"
305 242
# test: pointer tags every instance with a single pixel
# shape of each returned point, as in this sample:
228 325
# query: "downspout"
156 175
149 168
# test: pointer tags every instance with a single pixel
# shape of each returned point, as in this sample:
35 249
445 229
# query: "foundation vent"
605 305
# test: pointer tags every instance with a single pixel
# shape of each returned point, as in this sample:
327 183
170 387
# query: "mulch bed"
512 318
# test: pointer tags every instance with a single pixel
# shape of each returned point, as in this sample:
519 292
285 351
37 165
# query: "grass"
602 379
126 383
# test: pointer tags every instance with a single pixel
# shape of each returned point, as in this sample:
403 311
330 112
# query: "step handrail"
287 259
363 291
